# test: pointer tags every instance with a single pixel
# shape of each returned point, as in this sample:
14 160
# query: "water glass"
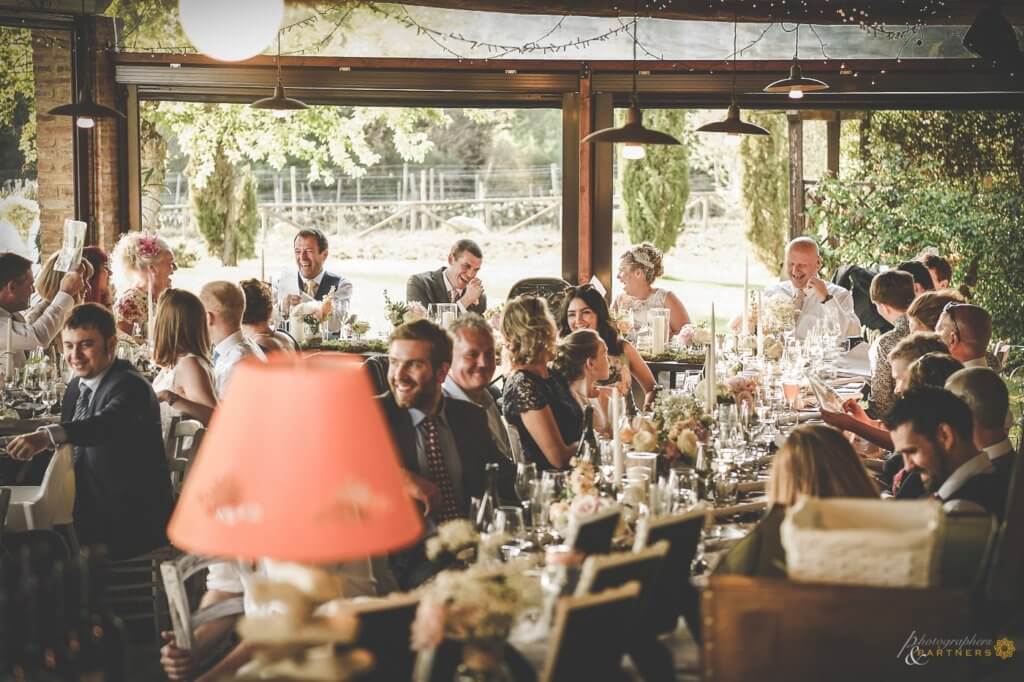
510 520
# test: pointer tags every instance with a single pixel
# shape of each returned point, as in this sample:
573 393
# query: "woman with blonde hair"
47 286
538 404
638 268
142 266
581 361
815 460
181 348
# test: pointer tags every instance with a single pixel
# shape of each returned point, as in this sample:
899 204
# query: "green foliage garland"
655 189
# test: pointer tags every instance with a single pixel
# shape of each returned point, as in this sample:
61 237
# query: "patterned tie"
311 287
798 302
438 473
82 404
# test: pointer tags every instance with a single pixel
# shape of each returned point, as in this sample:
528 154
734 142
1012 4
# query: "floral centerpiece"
305 318
478 607
581 497
678 426
400 312
455 543
691 335
620 321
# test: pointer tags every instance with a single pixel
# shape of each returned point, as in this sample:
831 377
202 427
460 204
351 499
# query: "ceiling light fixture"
733 124
279 104
992 37
797 84
632 135
231 30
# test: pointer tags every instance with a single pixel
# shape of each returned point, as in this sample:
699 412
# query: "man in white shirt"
966 329
224 303
473 365
16 288
311 282
935 430
813 297
987 396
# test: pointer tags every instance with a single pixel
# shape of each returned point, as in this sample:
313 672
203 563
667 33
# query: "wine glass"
509 520
525 473
34 384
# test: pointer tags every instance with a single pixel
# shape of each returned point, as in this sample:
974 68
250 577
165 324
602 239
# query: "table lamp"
298 465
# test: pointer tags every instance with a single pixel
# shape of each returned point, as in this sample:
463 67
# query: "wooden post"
295 193
359 190
424 218
584 265
832 129
441 181
796 175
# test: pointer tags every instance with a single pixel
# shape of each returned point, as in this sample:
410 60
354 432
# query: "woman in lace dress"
638 269
181 348
537 403
584 308
142 265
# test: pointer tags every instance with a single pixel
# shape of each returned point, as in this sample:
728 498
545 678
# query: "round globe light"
231 30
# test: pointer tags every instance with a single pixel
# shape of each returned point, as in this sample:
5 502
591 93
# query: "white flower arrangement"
779 314
456 539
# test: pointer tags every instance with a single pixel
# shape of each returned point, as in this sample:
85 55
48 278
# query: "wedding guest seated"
814 460
111 417
16 287
456 283
537 403
966 329
99 290
813 297
259 305
940 270
935 430
932 369
473 366
143 265
310 281
211 658
924 312
585 308
444 444
638 268
892 293
181 348
989 400
225 304
47 286
917 270
582 362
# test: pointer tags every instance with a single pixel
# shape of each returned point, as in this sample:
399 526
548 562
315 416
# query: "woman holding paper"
143 265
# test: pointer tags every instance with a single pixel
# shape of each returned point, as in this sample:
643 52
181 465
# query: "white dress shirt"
288 284
1000 449
977 362
48 318
841 305
228 353
977 465
58 436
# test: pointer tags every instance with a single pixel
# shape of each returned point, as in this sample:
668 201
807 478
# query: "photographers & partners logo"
920 649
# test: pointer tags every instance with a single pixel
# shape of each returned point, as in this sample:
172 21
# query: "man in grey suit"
457 283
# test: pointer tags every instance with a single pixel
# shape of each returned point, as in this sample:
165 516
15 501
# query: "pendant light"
279 104
633 135
84 109
733 124
796 85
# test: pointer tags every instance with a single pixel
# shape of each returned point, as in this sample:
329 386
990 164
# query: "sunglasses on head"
948 311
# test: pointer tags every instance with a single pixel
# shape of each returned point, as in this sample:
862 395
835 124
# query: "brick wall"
52 67
106 148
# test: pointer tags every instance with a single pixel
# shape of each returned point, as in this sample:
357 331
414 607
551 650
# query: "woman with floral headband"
142 264
638 268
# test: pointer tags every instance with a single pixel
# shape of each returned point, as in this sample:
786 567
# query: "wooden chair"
682 533
1003 585
549 288
589 635
135 592
593 534
777 630
183 441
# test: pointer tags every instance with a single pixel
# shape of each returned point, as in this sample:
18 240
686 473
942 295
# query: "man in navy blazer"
111 417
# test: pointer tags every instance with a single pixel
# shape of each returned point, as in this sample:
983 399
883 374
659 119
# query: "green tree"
765 187
224 209
17 90
655 189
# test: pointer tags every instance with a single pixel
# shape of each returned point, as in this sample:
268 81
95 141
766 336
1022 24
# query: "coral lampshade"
298 465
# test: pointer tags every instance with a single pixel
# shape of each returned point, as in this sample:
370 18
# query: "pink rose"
686 335
584 505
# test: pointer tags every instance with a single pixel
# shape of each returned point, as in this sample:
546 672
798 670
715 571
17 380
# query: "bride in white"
181 348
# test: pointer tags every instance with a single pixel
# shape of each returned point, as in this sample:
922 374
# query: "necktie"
82 404
311 287
438 472
215 356
801 295
457 294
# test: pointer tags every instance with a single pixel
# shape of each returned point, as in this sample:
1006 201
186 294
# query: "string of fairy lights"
460 46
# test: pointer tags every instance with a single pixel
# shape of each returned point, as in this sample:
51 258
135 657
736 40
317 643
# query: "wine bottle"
588 450
702 467
490 500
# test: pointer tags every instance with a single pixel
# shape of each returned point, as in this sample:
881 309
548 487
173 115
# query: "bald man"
966 329
813 297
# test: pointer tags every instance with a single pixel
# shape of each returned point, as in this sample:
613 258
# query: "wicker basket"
881 543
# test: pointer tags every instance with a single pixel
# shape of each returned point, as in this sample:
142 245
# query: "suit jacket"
291 283
428 287
123 487
476 449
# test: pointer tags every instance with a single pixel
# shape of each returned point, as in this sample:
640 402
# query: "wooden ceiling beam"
850 12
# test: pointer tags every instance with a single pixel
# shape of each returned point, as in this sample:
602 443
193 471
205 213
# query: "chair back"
377 366
593 533
780 630
5 503
514 441
682 533
174 574
49 504
548 288
1006 571
613 570
184 438
589 635
384 624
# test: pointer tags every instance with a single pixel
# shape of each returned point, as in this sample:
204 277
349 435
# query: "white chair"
183 440
49 504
